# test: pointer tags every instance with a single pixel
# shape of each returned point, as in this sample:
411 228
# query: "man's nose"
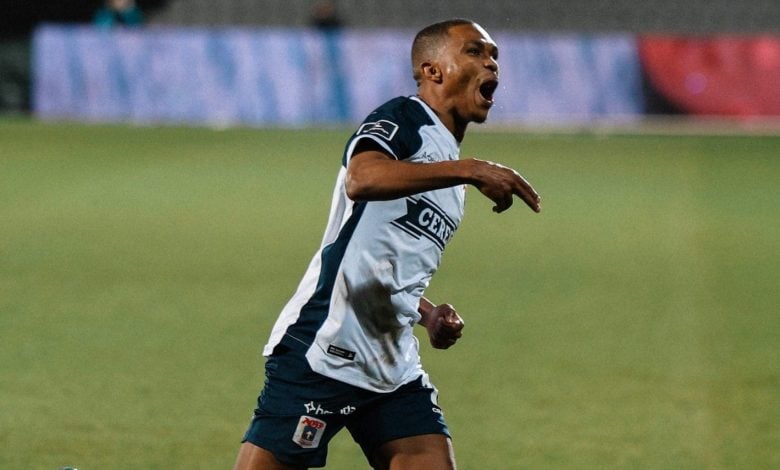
491 64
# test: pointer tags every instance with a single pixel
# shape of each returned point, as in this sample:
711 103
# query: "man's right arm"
374 175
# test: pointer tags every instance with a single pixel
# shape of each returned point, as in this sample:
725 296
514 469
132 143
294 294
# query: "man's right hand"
500 183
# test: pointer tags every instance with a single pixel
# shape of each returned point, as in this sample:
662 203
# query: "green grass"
632 324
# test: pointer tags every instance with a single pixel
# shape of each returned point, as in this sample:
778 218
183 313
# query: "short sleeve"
395 126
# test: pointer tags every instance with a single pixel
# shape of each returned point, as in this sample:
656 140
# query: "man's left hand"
445 327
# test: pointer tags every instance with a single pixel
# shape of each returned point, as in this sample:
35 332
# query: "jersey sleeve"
394 126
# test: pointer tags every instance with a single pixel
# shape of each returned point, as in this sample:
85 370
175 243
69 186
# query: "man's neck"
456 126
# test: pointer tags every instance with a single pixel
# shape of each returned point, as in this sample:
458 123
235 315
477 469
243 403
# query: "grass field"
634 323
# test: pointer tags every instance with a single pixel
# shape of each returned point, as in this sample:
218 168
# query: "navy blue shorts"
299 411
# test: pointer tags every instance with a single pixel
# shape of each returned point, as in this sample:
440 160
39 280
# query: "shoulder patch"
382 128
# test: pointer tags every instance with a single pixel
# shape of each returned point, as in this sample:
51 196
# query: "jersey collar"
435 118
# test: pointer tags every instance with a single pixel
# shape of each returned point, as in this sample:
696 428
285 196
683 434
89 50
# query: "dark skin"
451 83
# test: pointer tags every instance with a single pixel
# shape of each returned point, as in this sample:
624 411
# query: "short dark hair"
429 39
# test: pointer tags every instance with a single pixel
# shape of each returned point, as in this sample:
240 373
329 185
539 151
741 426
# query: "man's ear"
431 71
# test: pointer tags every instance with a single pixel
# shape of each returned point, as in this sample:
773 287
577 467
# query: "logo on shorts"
309 432
316 409
382 128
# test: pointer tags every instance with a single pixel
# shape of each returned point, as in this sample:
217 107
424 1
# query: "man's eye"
473 51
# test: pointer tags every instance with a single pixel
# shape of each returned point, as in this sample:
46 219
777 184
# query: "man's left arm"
442 322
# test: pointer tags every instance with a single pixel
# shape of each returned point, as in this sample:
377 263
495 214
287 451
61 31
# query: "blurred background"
166 169
298 62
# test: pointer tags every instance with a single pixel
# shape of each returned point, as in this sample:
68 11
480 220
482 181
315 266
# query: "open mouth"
487 89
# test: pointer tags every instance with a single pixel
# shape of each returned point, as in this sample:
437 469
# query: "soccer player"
342 352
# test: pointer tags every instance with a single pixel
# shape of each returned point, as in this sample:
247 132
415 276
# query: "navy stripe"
314 313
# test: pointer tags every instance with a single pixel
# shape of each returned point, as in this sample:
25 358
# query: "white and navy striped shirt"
357 303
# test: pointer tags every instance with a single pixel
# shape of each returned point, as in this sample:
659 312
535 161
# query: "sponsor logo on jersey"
382 128
309 432
425 219
341 352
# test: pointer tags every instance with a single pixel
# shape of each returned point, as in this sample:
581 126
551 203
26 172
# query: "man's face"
469 63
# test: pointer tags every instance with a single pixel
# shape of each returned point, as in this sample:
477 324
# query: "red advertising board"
721 75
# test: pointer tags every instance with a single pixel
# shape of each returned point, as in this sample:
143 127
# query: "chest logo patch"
423 218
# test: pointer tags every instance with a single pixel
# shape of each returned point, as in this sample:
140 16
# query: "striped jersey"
355 307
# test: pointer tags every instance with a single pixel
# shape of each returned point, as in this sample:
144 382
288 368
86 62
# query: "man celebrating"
342 352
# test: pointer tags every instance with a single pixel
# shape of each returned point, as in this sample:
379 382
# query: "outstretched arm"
443 323
374 175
